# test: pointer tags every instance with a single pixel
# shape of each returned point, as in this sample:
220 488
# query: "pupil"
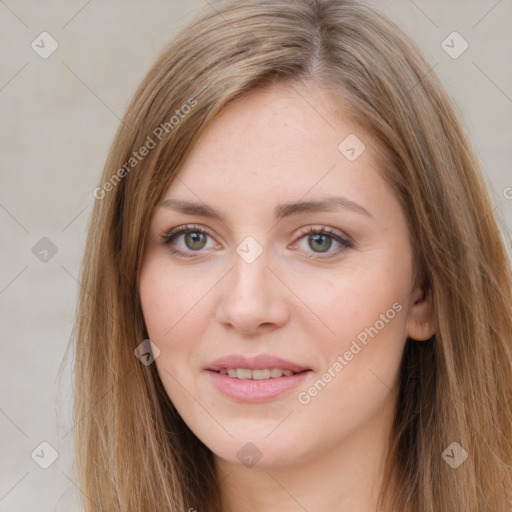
320 238
193 238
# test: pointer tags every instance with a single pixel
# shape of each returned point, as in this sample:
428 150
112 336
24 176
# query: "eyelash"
168 237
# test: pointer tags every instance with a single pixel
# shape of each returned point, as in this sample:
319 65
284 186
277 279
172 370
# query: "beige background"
58 116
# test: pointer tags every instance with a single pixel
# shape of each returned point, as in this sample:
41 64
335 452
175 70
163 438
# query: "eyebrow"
281 211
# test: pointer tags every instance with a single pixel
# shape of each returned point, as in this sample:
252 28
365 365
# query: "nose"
253 300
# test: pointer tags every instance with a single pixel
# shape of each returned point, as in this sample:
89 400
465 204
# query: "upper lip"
259 362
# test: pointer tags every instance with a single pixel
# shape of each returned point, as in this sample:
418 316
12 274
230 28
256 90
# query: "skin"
280 144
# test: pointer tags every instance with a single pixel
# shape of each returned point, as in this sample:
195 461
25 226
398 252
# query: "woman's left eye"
321 241
194 238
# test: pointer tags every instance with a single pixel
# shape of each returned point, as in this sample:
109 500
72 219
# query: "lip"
259 362
255 391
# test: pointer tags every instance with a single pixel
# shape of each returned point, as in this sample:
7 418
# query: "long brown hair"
133 451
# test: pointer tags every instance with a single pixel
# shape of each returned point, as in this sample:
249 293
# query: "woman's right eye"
185 240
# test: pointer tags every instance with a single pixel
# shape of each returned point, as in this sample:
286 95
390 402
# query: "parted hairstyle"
133 452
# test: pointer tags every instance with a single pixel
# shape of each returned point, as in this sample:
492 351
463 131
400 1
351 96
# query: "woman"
294 293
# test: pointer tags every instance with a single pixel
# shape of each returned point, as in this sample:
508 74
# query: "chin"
259 453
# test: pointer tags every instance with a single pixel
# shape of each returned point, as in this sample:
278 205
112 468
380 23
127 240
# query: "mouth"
255 379
264 374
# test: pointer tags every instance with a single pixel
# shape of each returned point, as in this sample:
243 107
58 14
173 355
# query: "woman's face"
260 291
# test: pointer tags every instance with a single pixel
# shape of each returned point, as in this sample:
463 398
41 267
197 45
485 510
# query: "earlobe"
421 321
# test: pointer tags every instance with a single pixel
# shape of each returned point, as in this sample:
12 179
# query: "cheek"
173 306
360 362
357 303
365 309
171 300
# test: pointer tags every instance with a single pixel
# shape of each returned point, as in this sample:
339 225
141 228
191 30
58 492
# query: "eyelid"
184 228
322 229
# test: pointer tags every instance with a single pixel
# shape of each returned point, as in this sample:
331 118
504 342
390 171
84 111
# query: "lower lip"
255 391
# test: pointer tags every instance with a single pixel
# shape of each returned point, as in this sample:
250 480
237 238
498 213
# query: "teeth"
261 374
245 373
242 373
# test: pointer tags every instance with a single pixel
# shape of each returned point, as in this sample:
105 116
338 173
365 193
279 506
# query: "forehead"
280 142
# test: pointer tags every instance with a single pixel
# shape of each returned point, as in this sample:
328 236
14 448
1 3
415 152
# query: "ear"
421 322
